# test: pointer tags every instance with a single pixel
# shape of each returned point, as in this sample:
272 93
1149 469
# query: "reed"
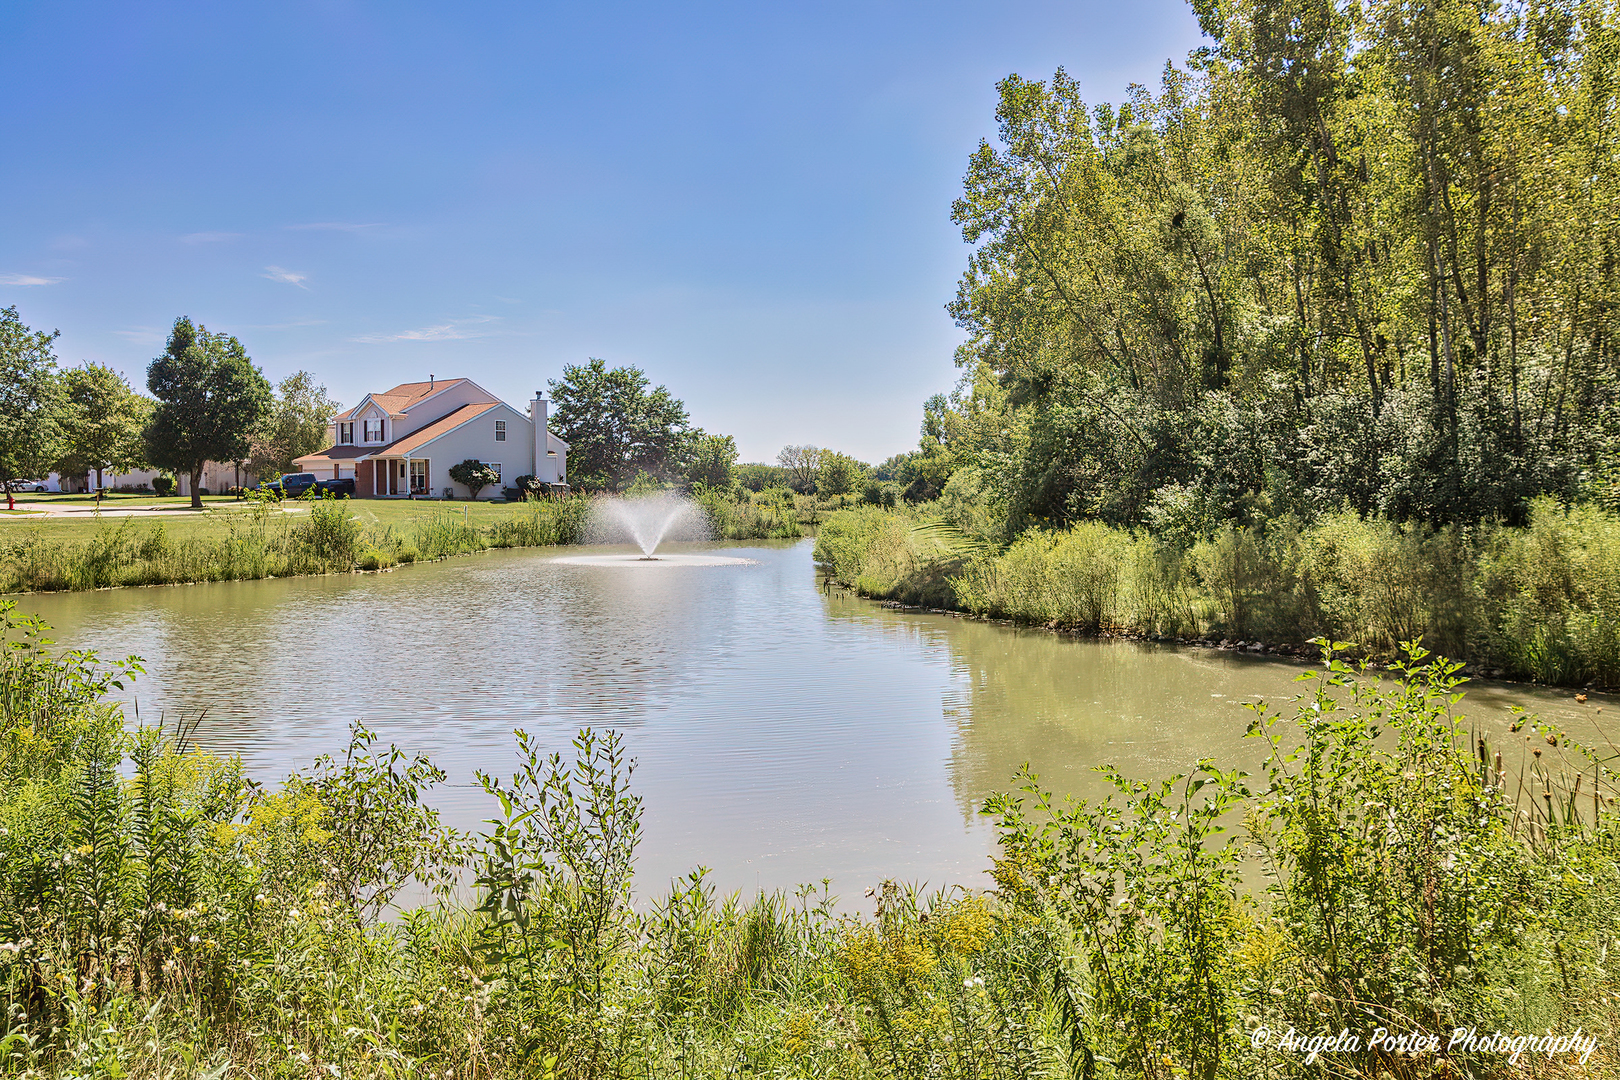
1541 602
161 915
330 537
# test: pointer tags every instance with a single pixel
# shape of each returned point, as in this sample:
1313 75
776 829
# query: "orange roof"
403 396
435 429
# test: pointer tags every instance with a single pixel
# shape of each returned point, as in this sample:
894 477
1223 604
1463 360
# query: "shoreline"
1304 655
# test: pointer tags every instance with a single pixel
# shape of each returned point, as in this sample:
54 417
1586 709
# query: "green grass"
242 540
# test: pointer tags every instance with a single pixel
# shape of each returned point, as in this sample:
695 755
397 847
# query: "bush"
162 915
1539 602
163 485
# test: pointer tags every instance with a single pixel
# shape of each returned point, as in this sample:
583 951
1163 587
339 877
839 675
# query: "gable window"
500 431
373 431
346 434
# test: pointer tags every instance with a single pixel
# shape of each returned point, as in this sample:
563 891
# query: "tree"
104 421
474 475
295 425
30 402
616 428
801 463
712 459
838 473
211 399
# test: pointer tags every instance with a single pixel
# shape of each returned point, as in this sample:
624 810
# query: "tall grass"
328 538
163 916
740 514
1540 602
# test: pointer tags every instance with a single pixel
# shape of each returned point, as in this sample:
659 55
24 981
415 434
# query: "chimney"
545 469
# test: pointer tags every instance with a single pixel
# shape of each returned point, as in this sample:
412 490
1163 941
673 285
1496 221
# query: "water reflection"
783 734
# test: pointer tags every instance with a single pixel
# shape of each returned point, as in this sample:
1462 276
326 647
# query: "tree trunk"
196 488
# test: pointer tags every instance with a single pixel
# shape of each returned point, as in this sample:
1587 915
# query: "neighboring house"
403 442
217 478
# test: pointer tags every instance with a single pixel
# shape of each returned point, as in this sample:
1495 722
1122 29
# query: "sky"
748 201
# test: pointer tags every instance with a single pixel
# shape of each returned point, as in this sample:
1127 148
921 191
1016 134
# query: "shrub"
474 475
163 485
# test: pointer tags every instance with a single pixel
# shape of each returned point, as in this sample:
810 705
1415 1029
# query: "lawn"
218 512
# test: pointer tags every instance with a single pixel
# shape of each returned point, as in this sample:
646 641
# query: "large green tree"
838 473
1349 254
295 425
30 402
616 428
104 423
713 458
210 400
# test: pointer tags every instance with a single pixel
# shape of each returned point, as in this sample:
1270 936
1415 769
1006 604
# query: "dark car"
292 485
340 487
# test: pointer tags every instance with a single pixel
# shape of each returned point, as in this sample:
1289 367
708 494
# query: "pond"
783 733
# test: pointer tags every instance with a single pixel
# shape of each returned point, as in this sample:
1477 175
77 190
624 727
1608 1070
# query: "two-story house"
404 441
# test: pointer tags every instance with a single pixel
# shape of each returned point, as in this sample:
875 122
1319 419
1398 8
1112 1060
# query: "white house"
404 441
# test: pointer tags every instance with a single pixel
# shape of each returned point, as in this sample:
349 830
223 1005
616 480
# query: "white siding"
476 439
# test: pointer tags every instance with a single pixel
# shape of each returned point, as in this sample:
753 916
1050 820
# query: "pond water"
783 733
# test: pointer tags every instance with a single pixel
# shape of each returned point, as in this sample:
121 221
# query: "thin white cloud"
27 279
337 226
209 237
142 335
454 330
276 273
288 325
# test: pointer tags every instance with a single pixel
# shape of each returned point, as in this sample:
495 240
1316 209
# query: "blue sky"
749 201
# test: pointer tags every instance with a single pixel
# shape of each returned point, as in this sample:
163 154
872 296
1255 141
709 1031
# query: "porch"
393 478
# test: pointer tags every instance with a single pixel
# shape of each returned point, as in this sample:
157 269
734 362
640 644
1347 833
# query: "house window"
500 431
497 467
373 431
346 434
419 477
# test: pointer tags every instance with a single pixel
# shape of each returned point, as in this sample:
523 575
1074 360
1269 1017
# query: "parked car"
292 485
339 487
29 485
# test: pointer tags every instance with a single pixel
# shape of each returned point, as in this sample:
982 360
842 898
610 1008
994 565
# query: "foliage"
474 475
741 514
161 915
1347 256
712 459
801 464
296 424
30 401
758 477
211 398
326 536
838 474
102 423
1540 602
616 428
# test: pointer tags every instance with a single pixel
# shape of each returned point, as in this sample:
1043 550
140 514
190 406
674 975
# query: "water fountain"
648 521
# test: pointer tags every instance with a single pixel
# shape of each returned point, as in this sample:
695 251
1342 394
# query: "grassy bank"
331 536
1540 602
163 916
